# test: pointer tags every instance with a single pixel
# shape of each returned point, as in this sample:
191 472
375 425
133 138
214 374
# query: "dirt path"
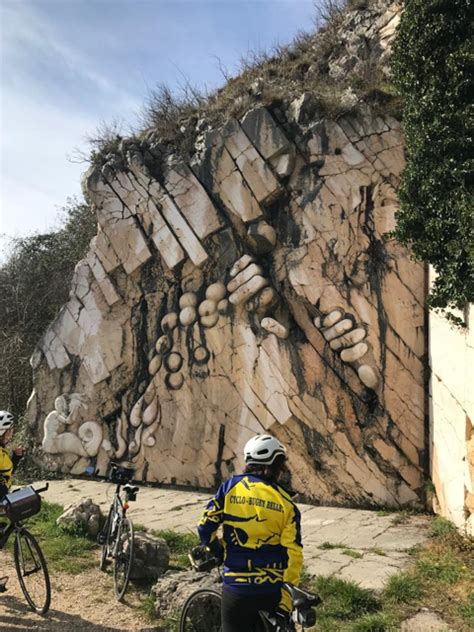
79 602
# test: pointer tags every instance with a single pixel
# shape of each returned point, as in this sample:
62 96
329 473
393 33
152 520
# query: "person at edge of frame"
8 463
261 546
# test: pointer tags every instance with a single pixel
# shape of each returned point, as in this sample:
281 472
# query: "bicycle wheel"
201 612
32 571
123 547
106 541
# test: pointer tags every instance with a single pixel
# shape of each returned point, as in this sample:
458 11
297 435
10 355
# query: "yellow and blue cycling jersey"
6 471
261 533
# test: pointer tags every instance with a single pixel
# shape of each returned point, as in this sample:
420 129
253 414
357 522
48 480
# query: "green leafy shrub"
433 68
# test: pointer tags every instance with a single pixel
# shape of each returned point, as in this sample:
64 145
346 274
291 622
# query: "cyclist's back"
261 533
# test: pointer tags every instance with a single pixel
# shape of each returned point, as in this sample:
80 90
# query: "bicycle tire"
123 560
204 616
26 546
105 546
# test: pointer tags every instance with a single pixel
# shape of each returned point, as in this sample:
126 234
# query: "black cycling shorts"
240 612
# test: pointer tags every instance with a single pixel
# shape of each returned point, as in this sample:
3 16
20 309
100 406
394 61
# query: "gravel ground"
79 602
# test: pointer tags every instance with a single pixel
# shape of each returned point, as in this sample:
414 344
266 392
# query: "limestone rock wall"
249 289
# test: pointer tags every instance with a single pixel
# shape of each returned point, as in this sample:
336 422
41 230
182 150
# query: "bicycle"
117 536
202 609
30 564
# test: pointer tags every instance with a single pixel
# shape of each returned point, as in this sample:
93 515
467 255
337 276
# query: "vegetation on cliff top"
433 67
270 78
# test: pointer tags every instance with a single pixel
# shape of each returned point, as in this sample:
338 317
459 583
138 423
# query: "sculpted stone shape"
89 437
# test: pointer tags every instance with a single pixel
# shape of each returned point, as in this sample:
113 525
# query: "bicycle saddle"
302 598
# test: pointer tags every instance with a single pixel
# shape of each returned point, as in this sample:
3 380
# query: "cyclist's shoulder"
4 454
227 485
286 494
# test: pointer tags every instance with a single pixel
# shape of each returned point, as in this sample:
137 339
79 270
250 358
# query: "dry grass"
270 78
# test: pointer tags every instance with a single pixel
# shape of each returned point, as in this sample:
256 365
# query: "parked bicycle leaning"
30 565
202 610
17 506
117 535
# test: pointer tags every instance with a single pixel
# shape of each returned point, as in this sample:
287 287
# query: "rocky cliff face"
249 289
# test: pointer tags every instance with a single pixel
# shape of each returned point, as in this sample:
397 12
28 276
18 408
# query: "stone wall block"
173 219
104 251
165 241
119 226
193 201
54 351
269 139
253 168
234 191
103 280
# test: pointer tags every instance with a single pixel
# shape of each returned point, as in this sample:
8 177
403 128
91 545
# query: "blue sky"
66 66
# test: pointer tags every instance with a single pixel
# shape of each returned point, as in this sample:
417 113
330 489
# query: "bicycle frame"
13 526
119 512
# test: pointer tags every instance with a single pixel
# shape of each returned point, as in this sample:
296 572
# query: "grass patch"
376 622
328 546
180 544
441 528
466 610
441 579
441 567
147 608
65 549
344 599
403 588
171 622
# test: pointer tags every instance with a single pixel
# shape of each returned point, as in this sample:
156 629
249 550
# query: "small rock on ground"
425 621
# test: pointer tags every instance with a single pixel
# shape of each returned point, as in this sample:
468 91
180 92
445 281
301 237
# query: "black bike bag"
21 504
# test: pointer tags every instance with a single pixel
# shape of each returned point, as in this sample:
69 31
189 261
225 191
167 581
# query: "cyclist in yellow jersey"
8 463
261 537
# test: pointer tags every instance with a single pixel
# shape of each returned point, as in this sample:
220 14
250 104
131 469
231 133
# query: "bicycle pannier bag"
22 504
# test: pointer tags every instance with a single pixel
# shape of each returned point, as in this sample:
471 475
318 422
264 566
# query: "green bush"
433 68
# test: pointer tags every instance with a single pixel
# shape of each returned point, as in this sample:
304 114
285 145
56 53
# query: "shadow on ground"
15 615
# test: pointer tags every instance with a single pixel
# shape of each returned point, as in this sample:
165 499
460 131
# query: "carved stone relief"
251 290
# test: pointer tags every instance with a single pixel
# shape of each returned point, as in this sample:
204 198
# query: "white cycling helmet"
262 450
6 421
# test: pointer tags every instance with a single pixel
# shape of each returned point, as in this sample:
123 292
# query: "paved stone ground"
352 544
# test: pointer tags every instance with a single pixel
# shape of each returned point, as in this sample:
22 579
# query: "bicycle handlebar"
41 489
